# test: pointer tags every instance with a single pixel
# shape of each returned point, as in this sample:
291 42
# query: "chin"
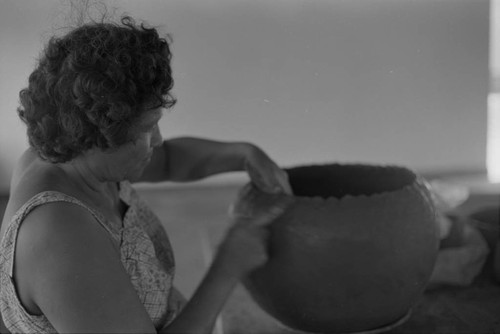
135 174
132 177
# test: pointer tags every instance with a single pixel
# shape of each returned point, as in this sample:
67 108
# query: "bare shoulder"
51 233
67 223
31 176
60 231
33 173
69 269
54 238
28 179
23 165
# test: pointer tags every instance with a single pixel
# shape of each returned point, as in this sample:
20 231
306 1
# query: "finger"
251 198
284 183
272 212
256 207
245 202
258 177
278 181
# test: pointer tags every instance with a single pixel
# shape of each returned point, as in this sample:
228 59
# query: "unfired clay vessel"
353 252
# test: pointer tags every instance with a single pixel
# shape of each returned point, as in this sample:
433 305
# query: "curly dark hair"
91 85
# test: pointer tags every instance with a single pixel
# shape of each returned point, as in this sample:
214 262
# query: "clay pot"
354 251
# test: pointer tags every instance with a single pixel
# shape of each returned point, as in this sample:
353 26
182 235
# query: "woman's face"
128 162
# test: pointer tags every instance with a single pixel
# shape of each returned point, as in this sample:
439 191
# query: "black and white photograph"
250 166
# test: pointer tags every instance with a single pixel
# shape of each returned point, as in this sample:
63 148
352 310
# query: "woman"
80 251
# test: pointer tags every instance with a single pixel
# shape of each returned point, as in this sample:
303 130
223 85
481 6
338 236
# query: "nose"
156 138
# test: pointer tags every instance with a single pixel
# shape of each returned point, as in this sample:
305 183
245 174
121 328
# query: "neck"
87 175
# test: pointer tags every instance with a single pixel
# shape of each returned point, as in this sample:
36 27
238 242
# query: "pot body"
353 261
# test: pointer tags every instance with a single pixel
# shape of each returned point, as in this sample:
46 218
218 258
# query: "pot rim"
417 182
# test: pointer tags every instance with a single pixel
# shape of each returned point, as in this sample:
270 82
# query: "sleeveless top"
145 253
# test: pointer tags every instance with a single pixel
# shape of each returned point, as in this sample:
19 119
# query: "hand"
245 245
265 173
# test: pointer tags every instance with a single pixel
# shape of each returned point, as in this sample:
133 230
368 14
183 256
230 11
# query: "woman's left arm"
188 159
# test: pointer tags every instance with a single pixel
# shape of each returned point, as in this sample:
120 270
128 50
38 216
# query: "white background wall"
377 81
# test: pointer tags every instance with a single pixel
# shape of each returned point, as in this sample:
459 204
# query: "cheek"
141 148
131 155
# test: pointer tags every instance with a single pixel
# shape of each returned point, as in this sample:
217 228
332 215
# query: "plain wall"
310 81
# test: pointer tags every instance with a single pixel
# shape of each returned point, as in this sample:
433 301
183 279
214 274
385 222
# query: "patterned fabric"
145 251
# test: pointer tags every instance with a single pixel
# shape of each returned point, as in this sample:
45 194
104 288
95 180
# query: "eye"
152 128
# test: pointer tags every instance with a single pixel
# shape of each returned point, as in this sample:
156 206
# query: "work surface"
195 219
